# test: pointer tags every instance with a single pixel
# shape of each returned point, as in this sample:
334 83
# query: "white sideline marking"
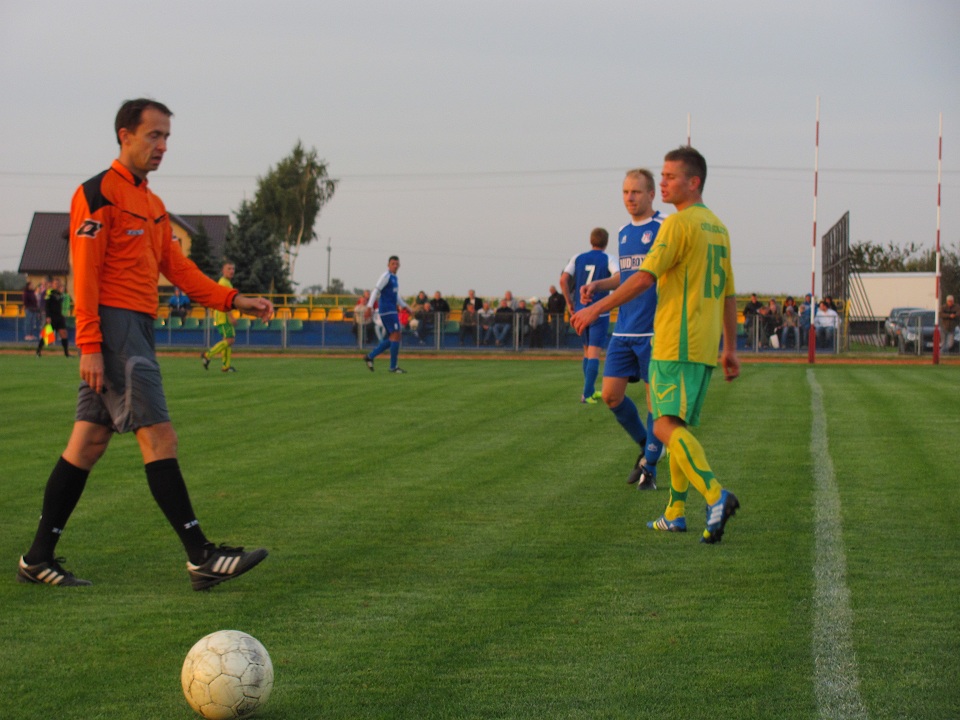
836 677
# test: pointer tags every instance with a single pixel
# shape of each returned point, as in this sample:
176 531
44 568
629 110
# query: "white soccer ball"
227 675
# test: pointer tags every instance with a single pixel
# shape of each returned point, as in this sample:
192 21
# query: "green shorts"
678 389
226 330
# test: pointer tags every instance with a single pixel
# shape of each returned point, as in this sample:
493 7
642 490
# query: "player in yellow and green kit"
690 264
224 323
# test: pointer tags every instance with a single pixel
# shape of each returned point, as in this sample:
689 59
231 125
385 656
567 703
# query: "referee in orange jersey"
120 240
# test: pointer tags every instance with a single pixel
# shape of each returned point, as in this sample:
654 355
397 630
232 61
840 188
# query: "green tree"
200 252
872 257
252 247
290 197
10 280
336 287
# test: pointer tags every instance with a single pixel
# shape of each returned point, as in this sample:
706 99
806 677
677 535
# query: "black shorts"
133 389
58 323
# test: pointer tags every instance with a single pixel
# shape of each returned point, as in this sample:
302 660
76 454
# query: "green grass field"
459 542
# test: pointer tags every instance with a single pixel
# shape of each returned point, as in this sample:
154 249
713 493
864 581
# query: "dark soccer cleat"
717 516
229 369
647 477
205 360
223 563
48 573
369 361
398 371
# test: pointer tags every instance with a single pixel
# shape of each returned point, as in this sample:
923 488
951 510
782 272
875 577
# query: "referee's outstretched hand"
256 306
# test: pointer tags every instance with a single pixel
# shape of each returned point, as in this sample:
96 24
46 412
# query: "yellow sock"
227 354
217 349
687 453
679 485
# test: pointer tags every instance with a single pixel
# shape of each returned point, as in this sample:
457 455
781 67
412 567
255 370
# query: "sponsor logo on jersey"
134 232
89 228
631 262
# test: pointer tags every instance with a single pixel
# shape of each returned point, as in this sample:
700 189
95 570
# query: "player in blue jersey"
628 355
582 269
387 292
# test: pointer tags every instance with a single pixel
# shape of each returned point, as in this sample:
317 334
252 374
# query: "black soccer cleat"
48 573
369 361
205 360
398 371
223 563
646 477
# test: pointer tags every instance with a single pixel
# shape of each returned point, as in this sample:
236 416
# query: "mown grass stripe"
836 676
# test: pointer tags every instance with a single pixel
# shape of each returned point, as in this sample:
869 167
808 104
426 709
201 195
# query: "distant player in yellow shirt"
224 323
690 264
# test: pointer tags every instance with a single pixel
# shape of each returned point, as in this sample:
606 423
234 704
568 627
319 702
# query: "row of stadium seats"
242 324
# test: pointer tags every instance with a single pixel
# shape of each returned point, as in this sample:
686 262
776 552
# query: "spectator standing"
120 241
803 313
441 307
751 314
425 322
473 301
179 304
31 310
949 319
556 308
588 269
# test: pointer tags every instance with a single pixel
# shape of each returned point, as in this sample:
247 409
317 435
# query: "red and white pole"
936 314
812 336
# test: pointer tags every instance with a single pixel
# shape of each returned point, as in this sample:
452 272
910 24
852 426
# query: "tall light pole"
328 263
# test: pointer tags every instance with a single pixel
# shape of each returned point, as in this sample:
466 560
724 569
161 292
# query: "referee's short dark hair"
130 114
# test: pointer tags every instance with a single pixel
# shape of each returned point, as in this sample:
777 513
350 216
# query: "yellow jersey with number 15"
691 262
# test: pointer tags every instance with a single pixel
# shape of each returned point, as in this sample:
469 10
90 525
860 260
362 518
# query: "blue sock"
394 354
627 415
384 344
654 448
590 372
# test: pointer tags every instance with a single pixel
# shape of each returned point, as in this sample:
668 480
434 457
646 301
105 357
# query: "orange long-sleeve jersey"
120 241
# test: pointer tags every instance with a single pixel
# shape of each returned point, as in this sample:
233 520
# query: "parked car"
917 328
892 325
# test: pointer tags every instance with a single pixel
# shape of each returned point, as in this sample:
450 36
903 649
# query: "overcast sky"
482 141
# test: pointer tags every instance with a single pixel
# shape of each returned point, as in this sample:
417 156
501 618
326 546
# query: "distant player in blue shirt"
628 355
387 291
583 269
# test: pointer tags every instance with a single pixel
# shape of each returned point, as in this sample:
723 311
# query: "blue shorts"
628 357
391 322
596 334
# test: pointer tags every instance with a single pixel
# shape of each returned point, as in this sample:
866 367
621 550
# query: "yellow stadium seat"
301 313
198 312
335 314
284 313
318 314
11 310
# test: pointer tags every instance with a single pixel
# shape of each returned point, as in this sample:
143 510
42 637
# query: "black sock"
40 346
63 491
66 346
170 492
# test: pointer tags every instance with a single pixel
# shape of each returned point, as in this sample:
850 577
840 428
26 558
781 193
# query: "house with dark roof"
47 250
